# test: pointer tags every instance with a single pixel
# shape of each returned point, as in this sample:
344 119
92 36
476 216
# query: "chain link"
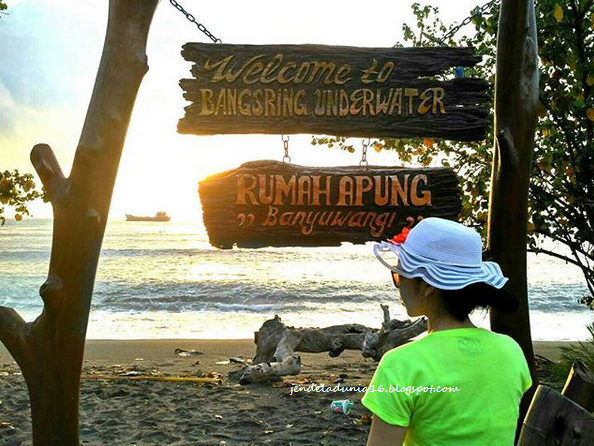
192 19
366 142
286 158
476 11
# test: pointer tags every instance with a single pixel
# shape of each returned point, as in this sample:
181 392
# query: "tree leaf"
558 13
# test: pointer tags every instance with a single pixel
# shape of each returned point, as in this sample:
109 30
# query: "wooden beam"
516 99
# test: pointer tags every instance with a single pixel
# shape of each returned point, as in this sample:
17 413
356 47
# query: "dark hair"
460 303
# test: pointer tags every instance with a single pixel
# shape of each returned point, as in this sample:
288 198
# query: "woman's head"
439 264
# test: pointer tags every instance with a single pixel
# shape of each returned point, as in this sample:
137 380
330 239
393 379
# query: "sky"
50 51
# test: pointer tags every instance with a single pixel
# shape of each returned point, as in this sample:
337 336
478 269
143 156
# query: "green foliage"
3 6
583 351
17 190
561 201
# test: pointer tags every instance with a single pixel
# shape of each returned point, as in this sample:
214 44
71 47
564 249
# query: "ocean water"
164 280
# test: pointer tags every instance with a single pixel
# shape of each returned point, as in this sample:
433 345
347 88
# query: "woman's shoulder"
409 350
504 340
440 340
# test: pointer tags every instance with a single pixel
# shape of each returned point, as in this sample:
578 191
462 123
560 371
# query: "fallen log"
277 344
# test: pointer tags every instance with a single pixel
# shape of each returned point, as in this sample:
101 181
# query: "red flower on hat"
398 239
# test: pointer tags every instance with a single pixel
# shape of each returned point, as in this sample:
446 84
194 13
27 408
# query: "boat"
159 216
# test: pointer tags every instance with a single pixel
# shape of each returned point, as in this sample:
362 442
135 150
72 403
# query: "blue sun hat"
445 254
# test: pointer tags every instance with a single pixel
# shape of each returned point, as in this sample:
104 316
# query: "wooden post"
516 100
50 350
554 420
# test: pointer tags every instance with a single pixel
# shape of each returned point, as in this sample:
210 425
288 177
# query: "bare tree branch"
49 171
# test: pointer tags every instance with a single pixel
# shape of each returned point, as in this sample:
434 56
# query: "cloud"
7 110
48 53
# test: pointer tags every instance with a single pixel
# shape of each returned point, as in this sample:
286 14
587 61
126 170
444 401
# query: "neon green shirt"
488 369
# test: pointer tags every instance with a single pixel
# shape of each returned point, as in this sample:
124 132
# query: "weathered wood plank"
579 386
349 91
270 203
553 420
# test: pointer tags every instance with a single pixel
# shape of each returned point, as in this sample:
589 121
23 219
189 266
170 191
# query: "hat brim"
439 275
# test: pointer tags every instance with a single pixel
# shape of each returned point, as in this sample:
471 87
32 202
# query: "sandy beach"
137 412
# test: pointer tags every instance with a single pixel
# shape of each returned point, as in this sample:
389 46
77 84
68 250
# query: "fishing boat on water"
159 216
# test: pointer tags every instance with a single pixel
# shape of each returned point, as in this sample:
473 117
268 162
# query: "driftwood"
579 386
49 350
554 420
277 344
516 100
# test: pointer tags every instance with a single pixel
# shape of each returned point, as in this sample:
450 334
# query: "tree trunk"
50 350
516 100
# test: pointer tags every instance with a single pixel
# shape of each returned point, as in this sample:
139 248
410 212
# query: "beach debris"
131 373
213 375
336 379
196 380
237 360
181 352
139 359
297 382
222 362
341 406
289 426
277 344
220 417
366 419
6 425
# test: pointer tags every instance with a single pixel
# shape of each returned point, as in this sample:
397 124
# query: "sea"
164 280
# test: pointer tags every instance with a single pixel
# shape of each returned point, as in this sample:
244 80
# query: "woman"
459 385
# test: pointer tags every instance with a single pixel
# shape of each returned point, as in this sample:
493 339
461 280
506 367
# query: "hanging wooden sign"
334 90
270 203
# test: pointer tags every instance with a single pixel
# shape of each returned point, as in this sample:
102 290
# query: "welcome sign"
270 203
335 90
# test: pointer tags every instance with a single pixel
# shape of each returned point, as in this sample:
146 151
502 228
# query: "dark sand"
168 413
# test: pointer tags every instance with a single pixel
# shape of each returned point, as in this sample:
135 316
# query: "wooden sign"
333 90
270 203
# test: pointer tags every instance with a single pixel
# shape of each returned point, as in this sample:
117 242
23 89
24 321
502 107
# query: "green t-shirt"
488 369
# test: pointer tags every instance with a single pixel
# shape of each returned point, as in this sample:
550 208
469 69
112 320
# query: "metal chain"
477 11
192 19
365 143
286 158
